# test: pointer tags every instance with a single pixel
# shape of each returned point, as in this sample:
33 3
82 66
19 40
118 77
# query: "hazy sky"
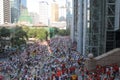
33 5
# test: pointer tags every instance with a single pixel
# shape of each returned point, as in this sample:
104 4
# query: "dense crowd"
54 60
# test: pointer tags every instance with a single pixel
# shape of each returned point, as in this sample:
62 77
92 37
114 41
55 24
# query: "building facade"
1 12
24 3
35 18
80 24
5 11
43 13
94 24
62 13
54 11
69 13
25 18
15 10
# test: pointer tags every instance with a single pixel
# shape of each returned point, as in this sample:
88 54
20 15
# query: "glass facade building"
24 3
15 10
96 26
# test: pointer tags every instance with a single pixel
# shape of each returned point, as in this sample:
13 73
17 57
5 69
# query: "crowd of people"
54 60
40 62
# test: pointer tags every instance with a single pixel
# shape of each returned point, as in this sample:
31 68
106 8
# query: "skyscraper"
69 13
54 11
43 12
35 18
5 11
24 3
1 12
25 18
95 31
15 10
62 12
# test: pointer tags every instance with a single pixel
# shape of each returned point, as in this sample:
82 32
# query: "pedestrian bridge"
111 57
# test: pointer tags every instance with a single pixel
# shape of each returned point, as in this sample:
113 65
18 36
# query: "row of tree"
61 32
17 36
37 33
14 37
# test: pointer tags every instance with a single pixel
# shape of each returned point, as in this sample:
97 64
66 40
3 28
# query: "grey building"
96 26
80 24
15 10
69 13
24 3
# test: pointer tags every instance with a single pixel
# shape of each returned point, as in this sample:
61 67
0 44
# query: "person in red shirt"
72 69
108 73
111 78
58 74
64 70
53 76
98 77
63 66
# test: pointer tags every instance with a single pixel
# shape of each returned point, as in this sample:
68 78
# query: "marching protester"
53 60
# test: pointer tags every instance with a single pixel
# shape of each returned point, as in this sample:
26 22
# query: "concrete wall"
108 58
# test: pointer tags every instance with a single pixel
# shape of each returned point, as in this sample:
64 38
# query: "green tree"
41 34
51 32
63 32
4 32
38 33
26 29
19 37
56 30
32 33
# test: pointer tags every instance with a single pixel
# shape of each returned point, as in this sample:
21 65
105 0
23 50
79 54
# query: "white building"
35 18
1 12
43 12
5 15
62 12
60 24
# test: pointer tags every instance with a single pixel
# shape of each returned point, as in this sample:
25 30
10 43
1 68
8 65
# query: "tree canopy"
4 32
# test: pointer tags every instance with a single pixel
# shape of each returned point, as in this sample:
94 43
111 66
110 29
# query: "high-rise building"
54 11
69 13
97 30
43 12
25 18
1 12
5 11
24 3
62 12
35 18
15 10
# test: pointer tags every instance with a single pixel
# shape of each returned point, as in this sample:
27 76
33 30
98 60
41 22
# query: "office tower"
43 12
62 12
54 11
1 12
97 30
24 3
35 18
15 10
69 13
5 11
25 18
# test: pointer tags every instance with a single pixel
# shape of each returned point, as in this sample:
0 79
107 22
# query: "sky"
33 5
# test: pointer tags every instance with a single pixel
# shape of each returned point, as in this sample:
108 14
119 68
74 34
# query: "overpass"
111 57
